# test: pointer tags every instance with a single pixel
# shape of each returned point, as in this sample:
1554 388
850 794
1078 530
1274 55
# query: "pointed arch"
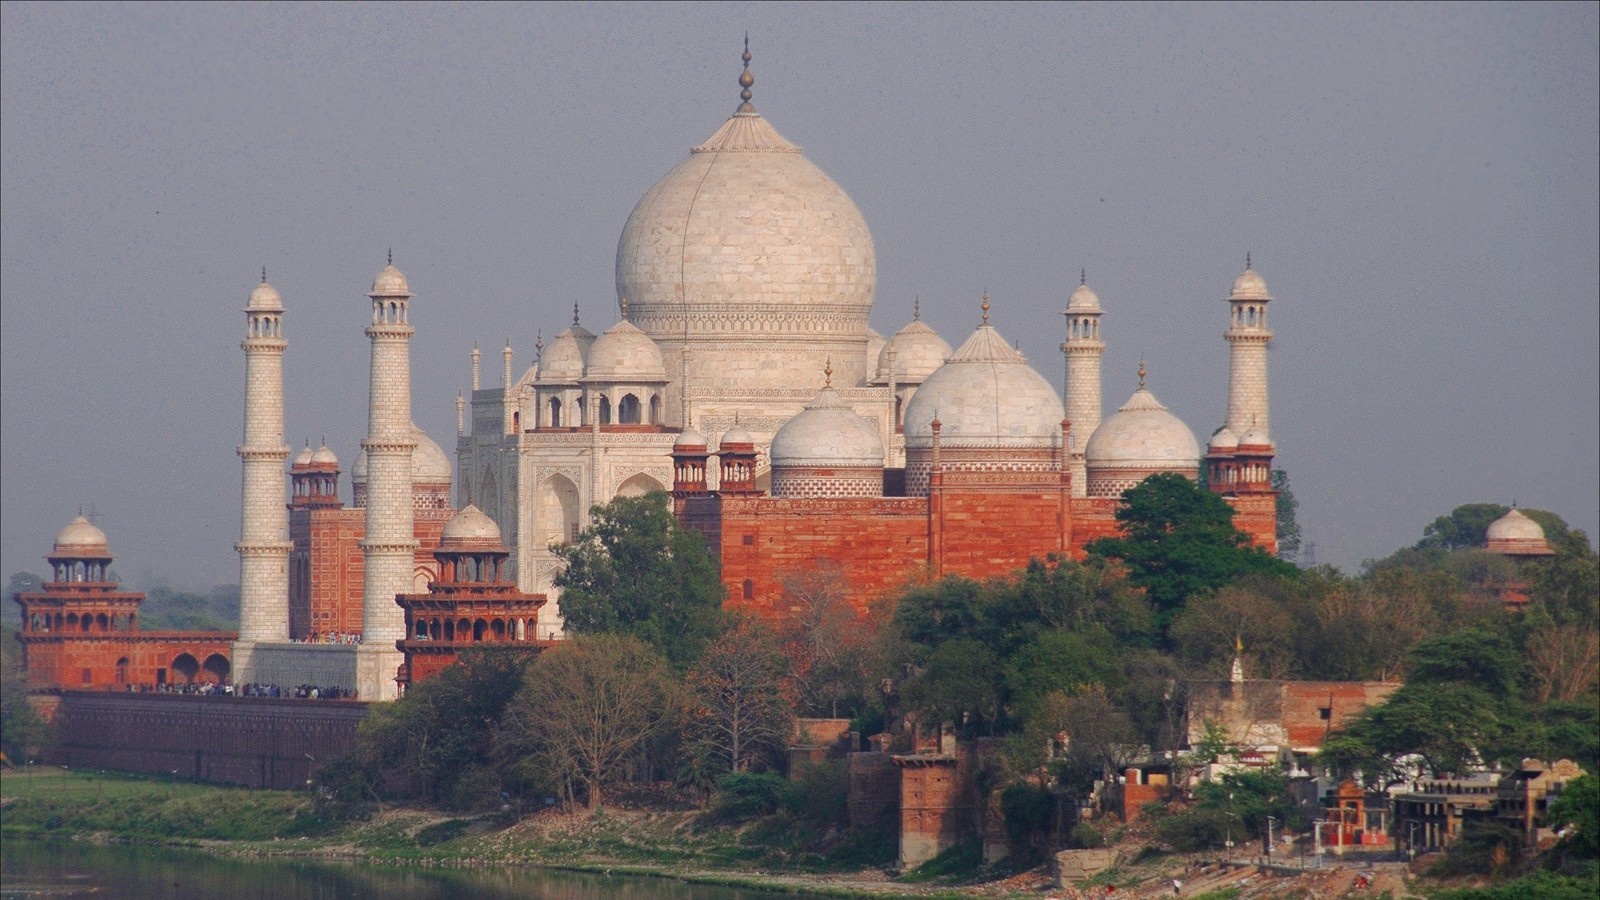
559 508
638 485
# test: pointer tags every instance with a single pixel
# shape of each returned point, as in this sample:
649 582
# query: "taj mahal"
743 377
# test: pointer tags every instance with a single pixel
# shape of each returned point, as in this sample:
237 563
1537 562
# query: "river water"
37 869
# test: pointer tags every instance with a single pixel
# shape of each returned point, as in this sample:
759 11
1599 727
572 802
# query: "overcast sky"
1417 184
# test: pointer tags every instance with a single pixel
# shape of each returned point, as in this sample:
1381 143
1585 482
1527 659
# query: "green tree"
739 714
1466 526
19 583
23 733
1179 541
959 684
436 742
1577 810
584 712
634 571
1288 523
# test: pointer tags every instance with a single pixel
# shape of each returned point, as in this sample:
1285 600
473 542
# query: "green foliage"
958 684
1180 542
634 571
742 796
1086 837
1482 848
435 743
738 712
1465 526
1484 659
1577 808
1451 726
962 861
1197 829
166 608
1288 524
1535 886
1029 811
822 793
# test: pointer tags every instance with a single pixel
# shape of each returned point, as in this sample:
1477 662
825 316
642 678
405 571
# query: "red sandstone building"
82 632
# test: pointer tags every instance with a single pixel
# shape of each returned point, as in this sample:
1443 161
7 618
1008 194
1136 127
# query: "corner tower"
264 532
389 547
1248 337
1083 349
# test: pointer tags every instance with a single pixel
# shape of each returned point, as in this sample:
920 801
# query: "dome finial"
1141 373
746 79
1083 276
916 309
827 372
391 256
1247 260
985 306
263 274
538 345
574 312
624 307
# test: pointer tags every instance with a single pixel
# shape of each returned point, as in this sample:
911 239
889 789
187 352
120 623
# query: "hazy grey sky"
1417 183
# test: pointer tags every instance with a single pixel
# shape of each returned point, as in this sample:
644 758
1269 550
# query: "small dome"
563 362
358 469
1142 434
264 297
324 457
1255 437
827 433
624 353
985 395
303 458
875 344
1249 286
429 464
1224 440
918 352
690 438
736 435
80 534
1083 300
470 525
1513 526
390 283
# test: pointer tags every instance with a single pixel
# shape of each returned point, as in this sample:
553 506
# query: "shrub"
741 796
822 794
1197 829
1482 848
1086 837
1028 811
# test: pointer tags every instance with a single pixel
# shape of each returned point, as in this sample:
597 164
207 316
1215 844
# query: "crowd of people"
224 689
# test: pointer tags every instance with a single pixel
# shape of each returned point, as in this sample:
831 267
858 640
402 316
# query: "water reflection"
34 869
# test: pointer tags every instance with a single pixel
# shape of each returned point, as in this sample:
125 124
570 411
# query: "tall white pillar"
1083 349
1248 337
264 530
389 547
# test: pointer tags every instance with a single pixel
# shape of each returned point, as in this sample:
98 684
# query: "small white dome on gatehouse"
80 535
827 433
324 457
303 458
985 395
918 351
470 525
564 361
1140 439
624 353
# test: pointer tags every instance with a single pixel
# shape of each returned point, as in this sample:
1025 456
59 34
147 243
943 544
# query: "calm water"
33 869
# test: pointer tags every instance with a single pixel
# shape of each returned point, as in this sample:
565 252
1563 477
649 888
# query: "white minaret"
1248 337
264 532
1083 349
389 548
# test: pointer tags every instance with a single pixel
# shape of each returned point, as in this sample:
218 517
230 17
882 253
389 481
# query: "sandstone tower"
1248 337
1083 349
264 532
390 544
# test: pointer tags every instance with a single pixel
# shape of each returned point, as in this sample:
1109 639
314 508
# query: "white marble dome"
470 525
1255 437
690 438
1140 439
563 362
827 433
264 297
390 283
624 353
303 458
918 352
985 395
324 457
747 238
1083 300
735 435
1514 526
80 534
1249 286
1225 440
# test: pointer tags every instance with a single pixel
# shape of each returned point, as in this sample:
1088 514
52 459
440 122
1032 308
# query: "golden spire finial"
916 309
746 80
1141 373
1238 642
985 306
827 372
624 307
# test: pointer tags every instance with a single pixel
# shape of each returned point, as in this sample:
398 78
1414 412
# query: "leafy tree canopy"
1179 541
634 571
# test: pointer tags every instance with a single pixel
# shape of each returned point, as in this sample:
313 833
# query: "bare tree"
1563 660
586 708
826 640
738 706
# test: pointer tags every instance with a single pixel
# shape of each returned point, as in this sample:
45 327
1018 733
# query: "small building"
1524 794
82 631
472 603
1431 814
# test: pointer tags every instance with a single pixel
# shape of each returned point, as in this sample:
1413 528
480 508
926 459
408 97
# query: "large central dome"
748 240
